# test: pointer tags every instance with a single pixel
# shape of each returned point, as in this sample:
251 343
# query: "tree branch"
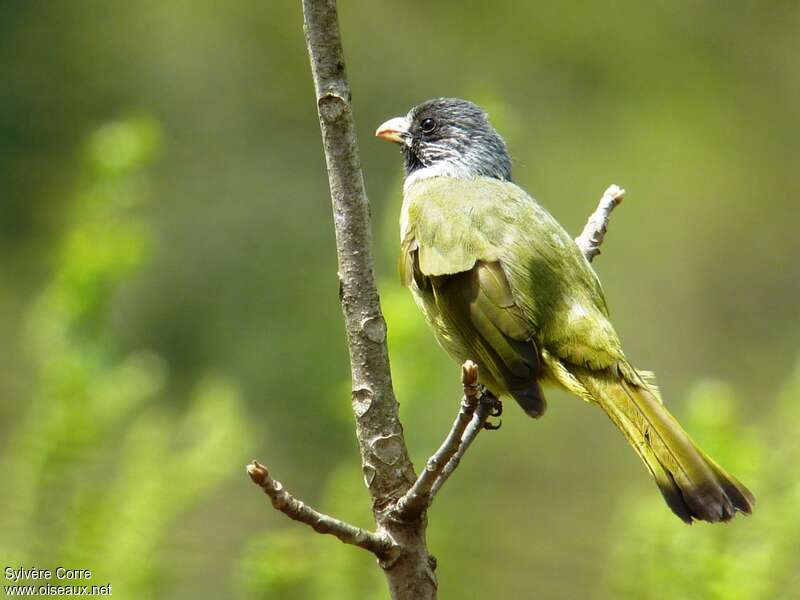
388 472
420 496
380 545
594 232
383 451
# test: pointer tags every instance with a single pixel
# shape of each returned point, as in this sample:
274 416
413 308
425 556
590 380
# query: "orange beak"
394 130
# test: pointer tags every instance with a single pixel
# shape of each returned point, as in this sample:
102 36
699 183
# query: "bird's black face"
449 137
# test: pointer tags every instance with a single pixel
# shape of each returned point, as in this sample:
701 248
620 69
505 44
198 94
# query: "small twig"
293 508
487 404
591 237
420 496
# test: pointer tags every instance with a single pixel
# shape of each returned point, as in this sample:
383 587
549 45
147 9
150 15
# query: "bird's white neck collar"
440 169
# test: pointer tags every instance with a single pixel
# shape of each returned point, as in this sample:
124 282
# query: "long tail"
694 486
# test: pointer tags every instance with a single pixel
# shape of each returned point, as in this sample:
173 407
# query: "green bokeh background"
168 291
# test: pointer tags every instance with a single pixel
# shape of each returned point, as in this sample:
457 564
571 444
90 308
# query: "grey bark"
387 469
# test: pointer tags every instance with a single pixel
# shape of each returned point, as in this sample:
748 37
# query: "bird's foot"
495 407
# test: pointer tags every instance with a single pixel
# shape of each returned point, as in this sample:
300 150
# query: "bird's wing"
473 297
456 224
479 303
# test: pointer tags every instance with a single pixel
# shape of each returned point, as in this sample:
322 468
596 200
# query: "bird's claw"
495 410
489 426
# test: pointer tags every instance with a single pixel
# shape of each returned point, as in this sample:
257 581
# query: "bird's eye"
427 125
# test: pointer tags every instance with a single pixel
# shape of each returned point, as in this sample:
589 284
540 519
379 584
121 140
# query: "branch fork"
444 461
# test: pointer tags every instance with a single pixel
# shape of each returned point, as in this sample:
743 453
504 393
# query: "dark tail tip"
714 500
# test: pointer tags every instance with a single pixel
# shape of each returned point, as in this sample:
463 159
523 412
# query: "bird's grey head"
448 137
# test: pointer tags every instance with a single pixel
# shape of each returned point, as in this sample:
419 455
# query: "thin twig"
295 509
594 232
420 496
487 404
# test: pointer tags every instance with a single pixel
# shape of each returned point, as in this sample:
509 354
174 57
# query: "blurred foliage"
119 314
100 468
750 559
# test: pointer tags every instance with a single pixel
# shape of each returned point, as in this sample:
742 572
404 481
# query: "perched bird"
501 283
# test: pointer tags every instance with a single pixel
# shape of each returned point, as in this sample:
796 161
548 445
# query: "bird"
500 282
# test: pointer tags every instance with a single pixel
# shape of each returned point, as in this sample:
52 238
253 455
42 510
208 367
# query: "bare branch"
420 496
591 237
380 545
388 472
380 436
